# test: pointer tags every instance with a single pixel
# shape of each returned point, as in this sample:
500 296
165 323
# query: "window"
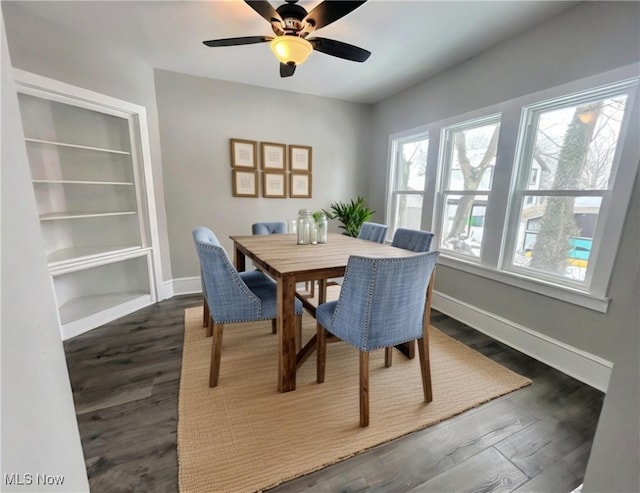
565 177
408 168
467 164
531 192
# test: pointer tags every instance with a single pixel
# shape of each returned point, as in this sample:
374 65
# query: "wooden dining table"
288 263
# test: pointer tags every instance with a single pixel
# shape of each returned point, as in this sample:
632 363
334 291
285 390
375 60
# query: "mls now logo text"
28 479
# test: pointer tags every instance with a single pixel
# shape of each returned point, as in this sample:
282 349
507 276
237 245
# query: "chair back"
382 300
228 297
269 228
412 239
373 232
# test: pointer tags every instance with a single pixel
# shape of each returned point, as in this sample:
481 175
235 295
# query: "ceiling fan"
291 24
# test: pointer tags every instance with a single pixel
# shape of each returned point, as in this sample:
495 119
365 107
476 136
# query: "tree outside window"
572 146
468 162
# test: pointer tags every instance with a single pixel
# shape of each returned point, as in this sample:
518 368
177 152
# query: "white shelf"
83 182
53 216
75 146
89 168
84 306
66 255
93 320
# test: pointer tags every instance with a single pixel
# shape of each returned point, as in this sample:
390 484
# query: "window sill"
555 291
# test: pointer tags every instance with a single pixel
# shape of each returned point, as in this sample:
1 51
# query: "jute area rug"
245 436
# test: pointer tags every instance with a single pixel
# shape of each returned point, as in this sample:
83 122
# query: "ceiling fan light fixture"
291 49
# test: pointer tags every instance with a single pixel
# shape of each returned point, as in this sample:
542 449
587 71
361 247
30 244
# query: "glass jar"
305 226
292 226
321 223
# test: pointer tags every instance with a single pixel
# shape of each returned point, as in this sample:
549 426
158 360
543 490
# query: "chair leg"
205 313
298 332
321 353
411 345
310 288
364 388
425 369
274 326
216 350
210 326
388 356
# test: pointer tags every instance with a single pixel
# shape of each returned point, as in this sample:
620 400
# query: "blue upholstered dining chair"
417 241
206 317
412 239
383 302
272 228
373 232
369 231
232 296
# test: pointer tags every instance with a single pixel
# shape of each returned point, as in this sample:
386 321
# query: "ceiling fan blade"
244 40
330 11
287 70
339 49
265 9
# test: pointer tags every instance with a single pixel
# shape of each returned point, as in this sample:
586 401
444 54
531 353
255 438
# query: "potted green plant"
350 214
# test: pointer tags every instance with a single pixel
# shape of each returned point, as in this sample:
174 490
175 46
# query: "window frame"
596 281
445 157
393 192
500 207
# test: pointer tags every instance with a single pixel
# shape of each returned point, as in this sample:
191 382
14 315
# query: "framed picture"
274 156
243 153
244 183
274 184
299 185
300 158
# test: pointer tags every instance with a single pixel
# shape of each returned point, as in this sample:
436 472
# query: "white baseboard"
183 285
583 366
166 290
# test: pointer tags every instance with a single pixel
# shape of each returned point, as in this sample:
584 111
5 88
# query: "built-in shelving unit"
93 190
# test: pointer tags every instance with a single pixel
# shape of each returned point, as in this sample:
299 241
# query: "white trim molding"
583 366
183 285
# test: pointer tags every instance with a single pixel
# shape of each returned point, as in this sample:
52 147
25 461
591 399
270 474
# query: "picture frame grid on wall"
243 153
274 184
300 158
244 183
300 185
273 156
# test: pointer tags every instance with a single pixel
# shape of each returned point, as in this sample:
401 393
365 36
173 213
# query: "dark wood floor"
125 378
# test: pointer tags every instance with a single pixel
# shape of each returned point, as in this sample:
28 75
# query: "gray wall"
39 427
613 465
555 52
198 116
590 38
42 48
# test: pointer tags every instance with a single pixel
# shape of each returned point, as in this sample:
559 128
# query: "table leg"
239 260
286 334
322 291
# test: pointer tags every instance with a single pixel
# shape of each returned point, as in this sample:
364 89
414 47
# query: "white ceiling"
409 40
